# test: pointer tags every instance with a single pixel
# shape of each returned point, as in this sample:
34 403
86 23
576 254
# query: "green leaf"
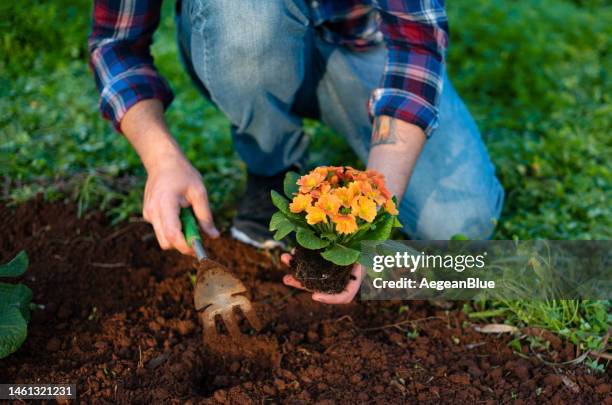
341 255
13 330
15 296
276 219
280 202
330 236
397 223
308 239
14 314
15 267
281 224
283 231
381 231
290 186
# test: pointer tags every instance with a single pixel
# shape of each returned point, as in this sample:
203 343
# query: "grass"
585 323
535 74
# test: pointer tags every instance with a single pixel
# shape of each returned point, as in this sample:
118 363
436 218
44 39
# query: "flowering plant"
333 209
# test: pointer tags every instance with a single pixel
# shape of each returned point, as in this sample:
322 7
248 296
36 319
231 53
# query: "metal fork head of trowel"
217 291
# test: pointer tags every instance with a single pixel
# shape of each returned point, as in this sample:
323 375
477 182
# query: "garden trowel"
217 291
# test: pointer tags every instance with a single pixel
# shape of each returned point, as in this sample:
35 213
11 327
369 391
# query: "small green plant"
14 306
333 209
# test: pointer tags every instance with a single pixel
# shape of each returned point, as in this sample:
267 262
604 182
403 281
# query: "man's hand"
172 182
344 297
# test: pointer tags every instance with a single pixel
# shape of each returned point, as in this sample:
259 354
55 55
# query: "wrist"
144 127
162 151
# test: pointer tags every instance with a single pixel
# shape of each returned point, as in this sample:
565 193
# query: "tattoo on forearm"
384 132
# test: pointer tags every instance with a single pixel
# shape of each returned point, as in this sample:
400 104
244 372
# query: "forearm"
395 148
145 128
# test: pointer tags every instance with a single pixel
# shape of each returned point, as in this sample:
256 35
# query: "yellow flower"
315 215
345 223
329 203
390 207
310 181
321 190
346 195
364 208
300 203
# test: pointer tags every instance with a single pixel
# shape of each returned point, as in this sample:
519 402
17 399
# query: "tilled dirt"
118 321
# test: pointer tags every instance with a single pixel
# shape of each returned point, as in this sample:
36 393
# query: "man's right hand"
172 182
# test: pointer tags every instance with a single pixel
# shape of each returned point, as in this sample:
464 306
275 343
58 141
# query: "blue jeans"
264 66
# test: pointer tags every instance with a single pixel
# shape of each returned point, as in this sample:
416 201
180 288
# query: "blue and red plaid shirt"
415 33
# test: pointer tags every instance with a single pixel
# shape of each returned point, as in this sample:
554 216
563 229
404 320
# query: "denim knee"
441 219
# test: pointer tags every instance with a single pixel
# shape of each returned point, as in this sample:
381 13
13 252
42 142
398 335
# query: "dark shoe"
252 222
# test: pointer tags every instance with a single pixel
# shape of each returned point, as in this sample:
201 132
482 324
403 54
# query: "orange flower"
321 190
350 173
374 174
310 181
355 188
364 187
364 208
390 207
379 182
343 195
300 203
367 190
346 195
322 170
315 215
345 224
329 203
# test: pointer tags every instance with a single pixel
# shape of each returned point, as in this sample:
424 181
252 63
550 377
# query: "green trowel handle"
192 234
190 226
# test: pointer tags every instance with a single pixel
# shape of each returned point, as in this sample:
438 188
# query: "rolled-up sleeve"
416 36
120 56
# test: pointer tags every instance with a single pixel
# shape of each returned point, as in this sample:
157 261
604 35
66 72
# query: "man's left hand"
344 297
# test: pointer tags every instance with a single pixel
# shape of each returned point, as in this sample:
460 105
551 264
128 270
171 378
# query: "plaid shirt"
415 33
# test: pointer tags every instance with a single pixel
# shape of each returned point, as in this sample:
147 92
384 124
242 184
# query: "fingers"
198 199
349 292
292 282
171 226
165 221
159 232
343 297
286 259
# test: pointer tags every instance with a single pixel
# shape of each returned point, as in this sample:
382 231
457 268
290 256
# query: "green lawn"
535 73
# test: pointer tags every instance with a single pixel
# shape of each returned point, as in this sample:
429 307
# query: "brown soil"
118 321
317 274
